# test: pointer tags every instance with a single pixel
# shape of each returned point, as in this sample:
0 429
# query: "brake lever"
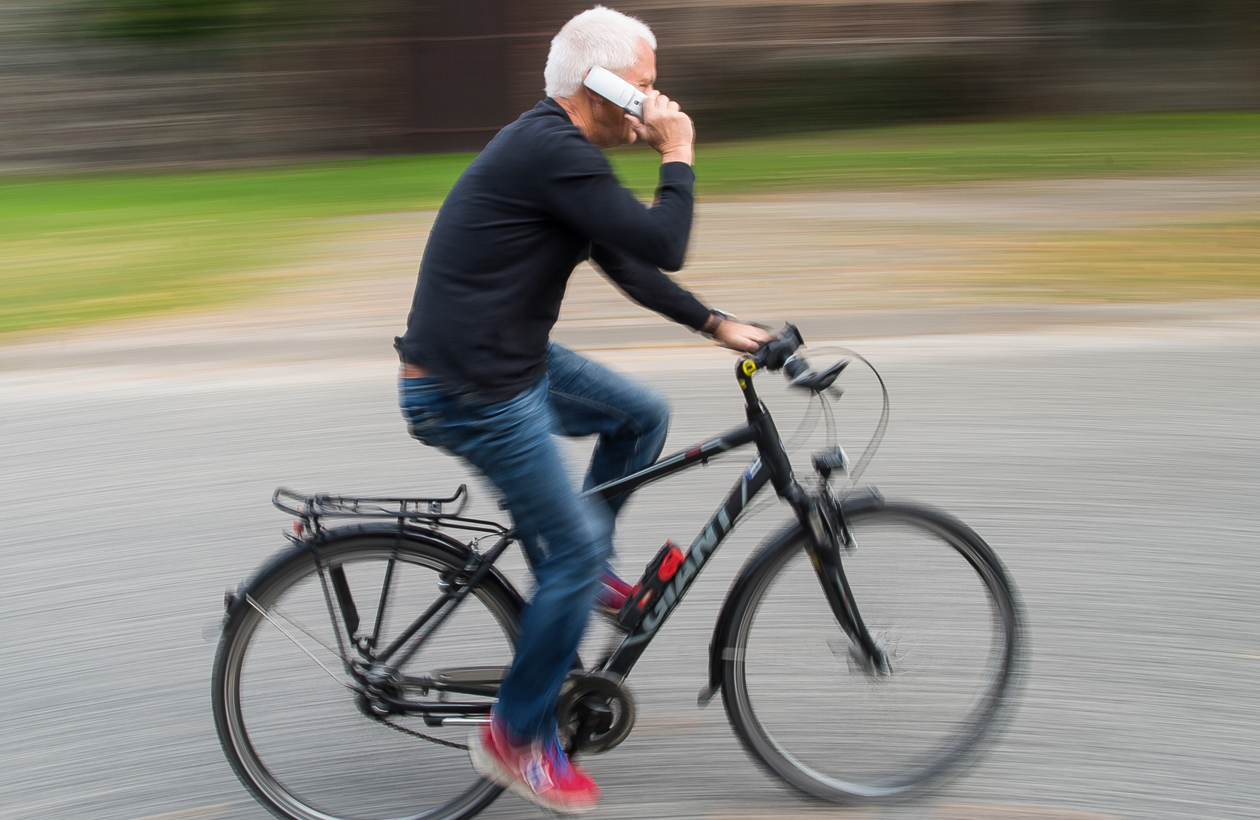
818 382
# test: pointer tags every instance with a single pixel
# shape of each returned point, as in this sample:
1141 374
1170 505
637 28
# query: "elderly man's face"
610 127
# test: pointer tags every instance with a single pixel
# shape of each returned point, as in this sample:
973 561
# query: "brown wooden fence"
438 75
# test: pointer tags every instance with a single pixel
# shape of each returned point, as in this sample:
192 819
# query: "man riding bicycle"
481 380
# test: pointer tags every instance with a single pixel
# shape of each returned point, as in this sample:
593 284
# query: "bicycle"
389 637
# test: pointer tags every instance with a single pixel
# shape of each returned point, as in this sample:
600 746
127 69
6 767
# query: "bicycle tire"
297 740
806 709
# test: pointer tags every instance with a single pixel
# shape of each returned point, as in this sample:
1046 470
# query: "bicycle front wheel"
299 737
935 597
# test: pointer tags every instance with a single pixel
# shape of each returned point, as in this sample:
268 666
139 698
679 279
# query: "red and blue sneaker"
538 771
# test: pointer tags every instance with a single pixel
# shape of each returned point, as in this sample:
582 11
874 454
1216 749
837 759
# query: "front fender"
783 540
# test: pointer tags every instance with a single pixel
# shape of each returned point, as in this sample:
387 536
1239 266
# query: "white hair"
598 36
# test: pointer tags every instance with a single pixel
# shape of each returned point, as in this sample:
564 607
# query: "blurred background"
186 80
162 155
1039 218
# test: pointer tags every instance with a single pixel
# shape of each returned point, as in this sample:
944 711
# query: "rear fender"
305 550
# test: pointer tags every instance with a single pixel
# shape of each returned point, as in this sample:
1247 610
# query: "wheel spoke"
298 643
305 630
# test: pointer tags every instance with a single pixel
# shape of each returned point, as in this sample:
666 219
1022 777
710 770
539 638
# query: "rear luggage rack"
309 509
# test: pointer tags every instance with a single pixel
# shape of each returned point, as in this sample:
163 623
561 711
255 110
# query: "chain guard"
595 713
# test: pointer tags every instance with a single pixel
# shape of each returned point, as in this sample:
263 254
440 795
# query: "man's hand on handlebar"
736 336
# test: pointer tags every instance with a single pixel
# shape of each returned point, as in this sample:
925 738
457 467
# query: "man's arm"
580 189
648 286
645 284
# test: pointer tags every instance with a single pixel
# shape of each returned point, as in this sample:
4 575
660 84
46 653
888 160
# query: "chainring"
595 713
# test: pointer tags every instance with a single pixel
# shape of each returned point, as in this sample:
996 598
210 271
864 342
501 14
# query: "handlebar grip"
775 353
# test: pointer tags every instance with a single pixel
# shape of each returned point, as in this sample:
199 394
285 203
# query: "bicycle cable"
825 412
877 437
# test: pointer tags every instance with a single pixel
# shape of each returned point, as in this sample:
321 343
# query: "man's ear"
596 100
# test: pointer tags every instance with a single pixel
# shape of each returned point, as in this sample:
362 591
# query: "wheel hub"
380 686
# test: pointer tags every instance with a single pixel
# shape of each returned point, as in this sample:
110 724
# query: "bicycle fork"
829 532
823 520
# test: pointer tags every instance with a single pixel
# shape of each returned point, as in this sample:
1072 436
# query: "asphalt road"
1114 469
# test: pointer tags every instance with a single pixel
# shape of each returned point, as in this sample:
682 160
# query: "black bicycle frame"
753 480
772 466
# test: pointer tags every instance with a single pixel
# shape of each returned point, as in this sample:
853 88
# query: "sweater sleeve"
645 284
581 190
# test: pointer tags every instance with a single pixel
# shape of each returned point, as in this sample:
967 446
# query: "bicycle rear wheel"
938 600
296 734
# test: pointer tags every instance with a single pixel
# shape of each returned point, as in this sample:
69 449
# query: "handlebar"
780 354
776 353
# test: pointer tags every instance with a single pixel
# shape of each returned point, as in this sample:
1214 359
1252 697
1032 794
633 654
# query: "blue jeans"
566 538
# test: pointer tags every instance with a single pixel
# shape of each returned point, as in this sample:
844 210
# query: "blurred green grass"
1057 148
86 248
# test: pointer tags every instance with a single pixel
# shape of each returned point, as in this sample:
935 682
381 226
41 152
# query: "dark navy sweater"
537 201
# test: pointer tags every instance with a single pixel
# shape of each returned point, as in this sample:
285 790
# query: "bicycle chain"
439 741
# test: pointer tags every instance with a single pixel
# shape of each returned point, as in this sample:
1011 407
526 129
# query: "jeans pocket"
415 397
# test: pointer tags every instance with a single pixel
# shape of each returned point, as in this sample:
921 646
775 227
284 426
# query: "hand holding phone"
671 132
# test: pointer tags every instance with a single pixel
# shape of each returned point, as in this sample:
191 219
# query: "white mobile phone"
616 90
